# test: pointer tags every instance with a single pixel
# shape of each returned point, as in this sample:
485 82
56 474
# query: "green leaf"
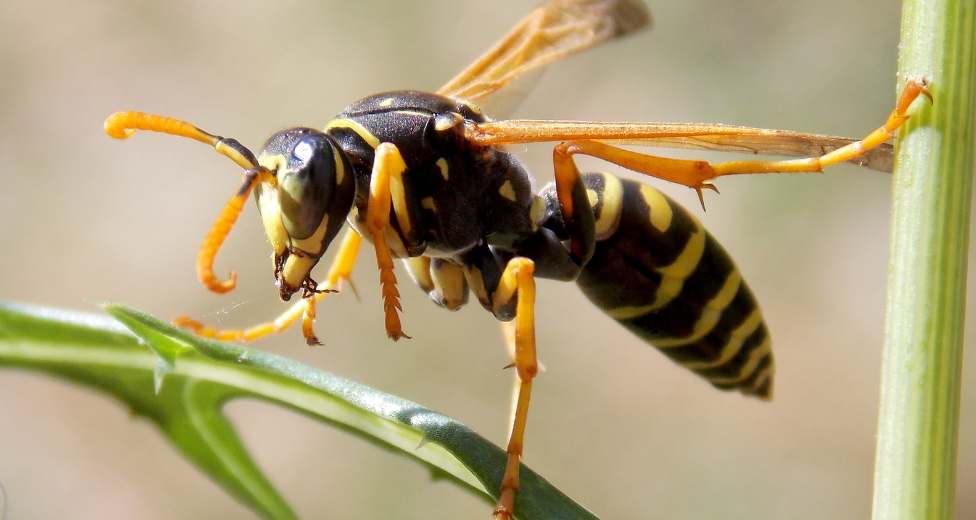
181 382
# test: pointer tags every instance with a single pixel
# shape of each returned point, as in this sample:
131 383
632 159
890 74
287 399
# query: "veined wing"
551 32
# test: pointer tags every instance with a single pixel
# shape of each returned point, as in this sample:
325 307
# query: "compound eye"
306 185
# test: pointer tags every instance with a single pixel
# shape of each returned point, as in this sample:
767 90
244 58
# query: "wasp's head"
306 205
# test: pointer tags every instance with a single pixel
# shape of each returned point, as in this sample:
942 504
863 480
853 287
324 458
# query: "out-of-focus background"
613 423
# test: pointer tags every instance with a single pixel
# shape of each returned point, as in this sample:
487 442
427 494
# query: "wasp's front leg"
387 177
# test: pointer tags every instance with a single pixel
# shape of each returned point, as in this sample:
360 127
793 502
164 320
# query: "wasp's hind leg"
339 274
697 174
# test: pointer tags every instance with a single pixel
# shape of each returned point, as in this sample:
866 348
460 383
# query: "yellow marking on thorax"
359 129
388 102
507 191
710 314
442 166
660 210
428 202
444 123
734 345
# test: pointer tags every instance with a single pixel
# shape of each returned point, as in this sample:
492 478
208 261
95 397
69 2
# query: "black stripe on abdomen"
663 277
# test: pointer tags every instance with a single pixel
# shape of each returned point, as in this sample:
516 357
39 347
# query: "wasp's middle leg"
518 282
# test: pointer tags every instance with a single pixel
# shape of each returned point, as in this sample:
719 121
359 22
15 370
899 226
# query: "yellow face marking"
613 193
271 219
507 191
296 268
442 166
428 203
359 129
313 243
272 162
661 214
757 354
270 207
386 103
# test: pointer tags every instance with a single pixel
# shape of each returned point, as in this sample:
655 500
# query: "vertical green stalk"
915 469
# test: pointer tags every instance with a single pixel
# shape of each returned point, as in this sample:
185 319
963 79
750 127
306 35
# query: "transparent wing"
551 32
718 137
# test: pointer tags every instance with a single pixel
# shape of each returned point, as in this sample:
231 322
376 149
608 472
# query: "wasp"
425 178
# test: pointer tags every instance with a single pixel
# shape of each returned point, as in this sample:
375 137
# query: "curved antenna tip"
115 126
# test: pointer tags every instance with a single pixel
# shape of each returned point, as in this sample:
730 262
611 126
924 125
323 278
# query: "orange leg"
696 174
518 281
339 274
388 168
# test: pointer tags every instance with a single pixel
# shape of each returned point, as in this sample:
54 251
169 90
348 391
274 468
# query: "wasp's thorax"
306 205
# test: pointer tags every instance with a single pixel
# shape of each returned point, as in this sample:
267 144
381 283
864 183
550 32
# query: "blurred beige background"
614 424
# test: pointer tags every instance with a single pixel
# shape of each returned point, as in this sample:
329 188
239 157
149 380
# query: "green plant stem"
921 368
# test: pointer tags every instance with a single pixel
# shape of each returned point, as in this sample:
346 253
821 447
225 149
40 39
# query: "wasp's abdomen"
660 274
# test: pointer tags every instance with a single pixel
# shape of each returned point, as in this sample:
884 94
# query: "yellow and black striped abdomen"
660 274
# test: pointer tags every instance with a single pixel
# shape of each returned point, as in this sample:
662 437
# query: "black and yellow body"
426 178
659 273
464 210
